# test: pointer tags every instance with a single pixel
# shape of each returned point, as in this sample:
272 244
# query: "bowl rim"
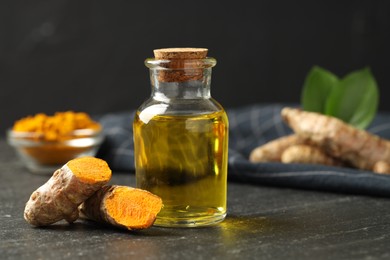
17 138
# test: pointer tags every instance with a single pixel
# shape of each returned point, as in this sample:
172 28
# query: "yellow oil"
183 159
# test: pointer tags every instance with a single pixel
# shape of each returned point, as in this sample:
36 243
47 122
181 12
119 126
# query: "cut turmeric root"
338 139
69 186
122 206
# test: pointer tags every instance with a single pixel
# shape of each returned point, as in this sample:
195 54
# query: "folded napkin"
251 126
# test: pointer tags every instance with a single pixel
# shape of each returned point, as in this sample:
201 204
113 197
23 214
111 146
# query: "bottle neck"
198 88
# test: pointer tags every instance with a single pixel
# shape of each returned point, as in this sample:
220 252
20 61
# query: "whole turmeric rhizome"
79 189
321 139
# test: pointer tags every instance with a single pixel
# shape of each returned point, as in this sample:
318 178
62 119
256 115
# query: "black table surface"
262 223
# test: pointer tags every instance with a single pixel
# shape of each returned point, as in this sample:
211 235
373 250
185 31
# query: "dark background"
88 55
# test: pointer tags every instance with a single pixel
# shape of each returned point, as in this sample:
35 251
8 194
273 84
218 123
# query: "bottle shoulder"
180 107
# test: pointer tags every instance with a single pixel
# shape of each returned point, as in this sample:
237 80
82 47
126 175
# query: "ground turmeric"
60 126
48 136
338 139
122 206
69 186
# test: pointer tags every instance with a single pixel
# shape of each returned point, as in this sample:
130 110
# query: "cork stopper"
180 53
184 64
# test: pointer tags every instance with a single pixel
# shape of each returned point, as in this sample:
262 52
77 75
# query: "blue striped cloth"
250 127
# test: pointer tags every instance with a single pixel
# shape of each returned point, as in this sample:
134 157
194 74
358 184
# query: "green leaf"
316 89
354 99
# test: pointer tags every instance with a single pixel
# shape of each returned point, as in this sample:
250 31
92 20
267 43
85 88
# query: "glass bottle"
181 140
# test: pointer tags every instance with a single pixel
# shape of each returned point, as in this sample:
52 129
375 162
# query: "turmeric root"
357 147
382 167
273 150
308 154
122 206
69 186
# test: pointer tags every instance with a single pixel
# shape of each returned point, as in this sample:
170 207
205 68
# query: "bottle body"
182 159
181 152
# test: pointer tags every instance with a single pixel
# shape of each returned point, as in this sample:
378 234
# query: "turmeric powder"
60 126
123 207
48 136
69 186
338 139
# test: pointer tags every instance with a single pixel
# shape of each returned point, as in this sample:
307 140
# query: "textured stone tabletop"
262 223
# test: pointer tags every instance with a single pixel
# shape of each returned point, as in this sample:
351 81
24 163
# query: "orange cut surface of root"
123 206
133 207
89 169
